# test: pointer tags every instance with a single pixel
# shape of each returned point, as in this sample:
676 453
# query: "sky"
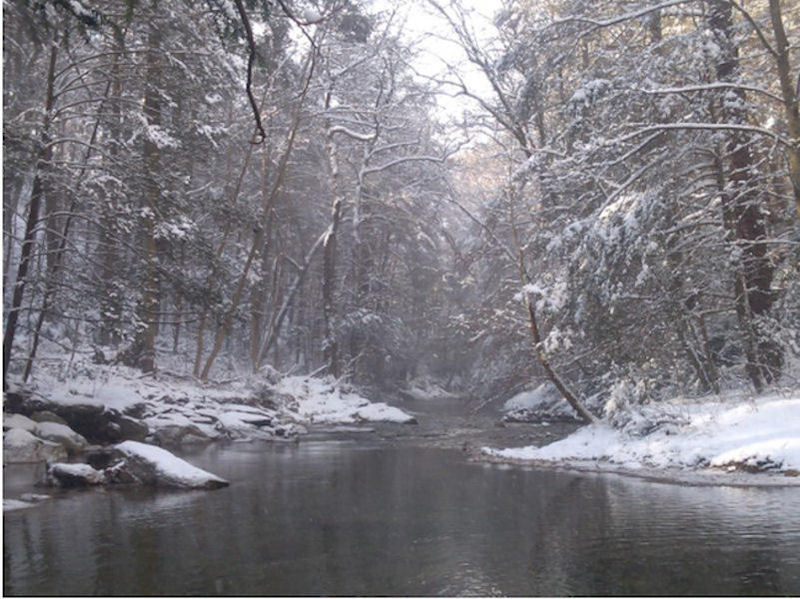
437 45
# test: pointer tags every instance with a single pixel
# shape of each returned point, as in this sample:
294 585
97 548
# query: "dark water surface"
347 518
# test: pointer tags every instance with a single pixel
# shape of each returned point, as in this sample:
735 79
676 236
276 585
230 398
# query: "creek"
333 516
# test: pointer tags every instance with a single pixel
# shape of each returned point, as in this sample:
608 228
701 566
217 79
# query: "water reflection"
340 518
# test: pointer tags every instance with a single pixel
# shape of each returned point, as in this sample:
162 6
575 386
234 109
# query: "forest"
603 196
401 297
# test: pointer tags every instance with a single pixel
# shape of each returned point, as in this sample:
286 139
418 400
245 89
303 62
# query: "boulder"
131 429
151 465
178 434
94 422
47 416
20 446
18 421
61 433
136 410
99 457
73 475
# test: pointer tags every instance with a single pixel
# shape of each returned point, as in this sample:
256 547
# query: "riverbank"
730 441
59 414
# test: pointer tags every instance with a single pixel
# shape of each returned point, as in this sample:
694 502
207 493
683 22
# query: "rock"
15 401
73 475
151 465
34 497
18 421
244 425
131 429
99 457
20 446
15 504
178 434
60 433
120 473
136 410
48 416
89 420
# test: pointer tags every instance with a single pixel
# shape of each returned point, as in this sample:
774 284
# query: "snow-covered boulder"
18 421
381 412
179 434
541 404
244 423
60 433
20 446
151 465
47 416
321 401
9 505
73 475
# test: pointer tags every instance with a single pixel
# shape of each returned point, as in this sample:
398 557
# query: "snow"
425 389
82 471
321 401
542 402
18 421
54 431
169 468
18 437
244 408
762 435
114 391
15 504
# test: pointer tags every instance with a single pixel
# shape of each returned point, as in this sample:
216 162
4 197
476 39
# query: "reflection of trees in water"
343 519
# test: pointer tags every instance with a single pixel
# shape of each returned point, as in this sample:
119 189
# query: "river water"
369 518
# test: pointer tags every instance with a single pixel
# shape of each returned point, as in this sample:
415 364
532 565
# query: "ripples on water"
337 518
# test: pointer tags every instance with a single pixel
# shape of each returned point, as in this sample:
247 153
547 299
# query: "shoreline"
669 476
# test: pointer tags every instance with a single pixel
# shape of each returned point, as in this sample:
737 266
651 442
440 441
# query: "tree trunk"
790 99
742 198
110 300
258 240
143 355
43 165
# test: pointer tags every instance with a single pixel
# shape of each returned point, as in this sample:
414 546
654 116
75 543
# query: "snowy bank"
319 401
108 404
762 436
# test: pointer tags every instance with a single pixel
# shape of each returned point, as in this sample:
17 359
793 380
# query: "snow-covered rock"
423 389
34 497
542 403
151 465
62 434
15 504
238 424
381 412
180 434
319 401
47 416
20 446
18 421
74 475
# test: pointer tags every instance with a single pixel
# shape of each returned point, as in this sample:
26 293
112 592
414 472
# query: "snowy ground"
179 409
714 437
318 401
